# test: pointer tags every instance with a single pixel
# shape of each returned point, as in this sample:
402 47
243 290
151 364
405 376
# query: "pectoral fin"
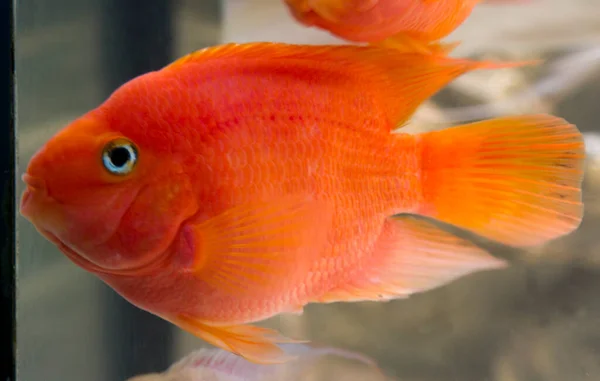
257 247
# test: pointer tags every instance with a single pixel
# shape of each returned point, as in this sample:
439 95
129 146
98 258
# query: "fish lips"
38 207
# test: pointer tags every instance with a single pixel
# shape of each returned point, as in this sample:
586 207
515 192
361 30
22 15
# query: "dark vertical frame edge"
8 162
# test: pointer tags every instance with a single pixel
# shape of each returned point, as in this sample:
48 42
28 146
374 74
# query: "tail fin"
516 180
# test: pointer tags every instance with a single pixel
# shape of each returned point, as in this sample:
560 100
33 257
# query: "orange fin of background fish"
257 246
255 344
410 256
405 43
516 180
401 80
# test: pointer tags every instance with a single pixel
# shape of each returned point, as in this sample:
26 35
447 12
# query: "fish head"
107 198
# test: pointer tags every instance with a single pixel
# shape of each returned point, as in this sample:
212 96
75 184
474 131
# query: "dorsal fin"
402 80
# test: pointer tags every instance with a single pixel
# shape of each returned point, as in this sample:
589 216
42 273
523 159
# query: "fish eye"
119 157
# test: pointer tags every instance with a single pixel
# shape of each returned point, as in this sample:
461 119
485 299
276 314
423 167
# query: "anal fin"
412 255
255 344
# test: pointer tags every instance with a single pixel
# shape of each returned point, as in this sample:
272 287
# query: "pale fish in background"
218 365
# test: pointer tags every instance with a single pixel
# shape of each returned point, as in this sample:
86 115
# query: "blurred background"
537 320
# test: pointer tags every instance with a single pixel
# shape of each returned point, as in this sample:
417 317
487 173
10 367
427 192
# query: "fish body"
412 24
244 181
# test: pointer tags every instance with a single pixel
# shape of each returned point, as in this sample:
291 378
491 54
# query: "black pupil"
119 156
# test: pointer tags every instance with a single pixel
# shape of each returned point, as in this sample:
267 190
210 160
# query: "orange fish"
245 181
409 24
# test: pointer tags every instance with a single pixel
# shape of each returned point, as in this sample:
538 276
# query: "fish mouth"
30 209
33 182
35 185
156 264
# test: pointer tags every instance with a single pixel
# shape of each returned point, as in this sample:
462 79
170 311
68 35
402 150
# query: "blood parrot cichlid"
406 24
245 181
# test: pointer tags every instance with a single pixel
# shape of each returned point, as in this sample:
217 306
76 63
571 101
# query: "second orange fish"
408 24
